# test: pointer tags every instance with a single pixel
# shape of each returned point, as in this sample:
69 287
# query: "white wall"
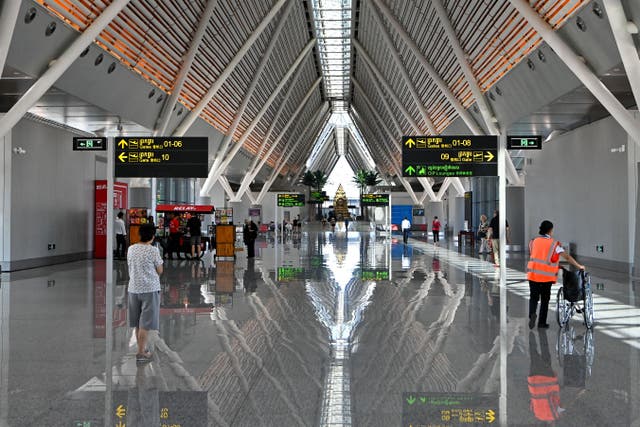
576 182
52 195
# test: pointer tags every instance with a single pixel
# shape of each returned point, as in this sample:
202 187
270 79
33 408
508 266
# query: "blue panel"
398 212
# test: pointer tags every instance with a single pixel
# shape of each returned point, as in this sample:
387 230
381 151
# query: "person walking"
542 271
493 233
121 236
406 228
174 236
249 235
435 228
145 267
483 227
195 231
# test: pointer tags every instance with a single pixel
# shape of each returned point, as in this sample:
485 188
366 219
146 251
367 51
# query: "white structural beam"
8 17
167 108
59 66
403 71
293 118
216 171
224 182
381 125
267 137
387 153
211 93
267 185
485 109
437 80
378 74
257 74
580 69
626 47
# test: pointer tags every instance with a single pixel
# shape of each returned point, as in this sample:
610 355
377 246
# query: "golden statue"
340 204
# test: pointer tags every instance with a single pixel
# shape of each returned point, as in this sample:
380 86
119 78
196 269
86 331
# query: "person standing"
145 267
174 236
493 233
195 231
406 228
542 271
121 236
482 234
249 235
435 228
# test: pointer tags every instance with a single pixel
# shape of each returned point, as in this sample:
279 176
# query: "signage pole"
502 208
109 277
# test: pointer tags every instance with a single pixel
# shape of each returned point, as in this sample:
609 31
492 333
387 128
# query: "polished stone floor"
323 329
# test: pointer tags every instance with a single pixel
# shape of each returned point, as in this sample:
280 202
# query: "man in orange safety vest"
542 271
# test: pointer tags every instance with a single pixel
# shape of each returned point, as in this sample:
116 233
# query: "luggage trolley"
574 296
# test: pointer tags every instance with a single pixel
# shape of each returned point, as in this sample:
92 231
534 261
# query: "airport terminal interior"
319 213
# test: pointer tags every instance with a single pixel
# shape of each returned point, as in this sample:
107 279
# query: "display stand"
224 216
225 241
136 217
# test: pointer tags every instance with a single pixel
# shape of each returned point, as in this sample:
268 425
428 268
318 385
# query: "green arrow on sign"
410 170
411 400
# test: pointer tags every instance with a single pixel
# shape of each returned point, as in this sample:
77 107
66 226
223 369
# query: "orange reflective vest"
543 265
545 397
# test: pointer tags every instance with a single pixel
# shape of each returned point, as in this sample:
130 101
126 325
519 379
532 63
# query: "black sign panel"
89 144
168 157
449 156
374 274
288 274
449 409
524 142
160 408
290 200
374 200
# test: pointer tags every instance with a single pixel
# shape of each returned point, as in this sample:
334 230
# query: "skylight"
333 33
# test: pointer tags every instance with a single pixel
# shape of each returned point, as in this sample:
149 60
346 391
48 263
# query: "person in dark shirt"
494 234
249 235
195 230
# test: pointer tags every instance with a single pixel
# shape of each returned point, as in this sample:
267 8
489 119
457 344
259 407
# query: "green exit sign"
533 142
89 144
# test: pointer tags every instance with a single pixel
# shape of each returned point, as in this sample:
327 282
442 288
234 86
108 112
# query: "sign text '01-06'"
169 157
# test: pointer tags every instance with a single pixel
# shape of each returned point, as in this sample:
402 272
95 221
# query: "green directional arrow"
410 170
411 400
423 400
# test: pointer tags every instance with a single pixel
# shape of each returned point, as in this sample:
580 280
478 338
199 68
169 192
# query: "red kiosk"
184 212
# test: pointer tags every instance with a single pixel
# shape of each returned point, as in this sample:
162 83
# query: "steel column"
580 69
216 171
626 47
199 108
59 66
293 118
8 17
167 108
442 85
257 74
403 71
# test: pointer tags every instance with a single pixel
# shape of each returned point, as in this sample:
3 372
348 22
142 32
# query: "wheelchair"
575 297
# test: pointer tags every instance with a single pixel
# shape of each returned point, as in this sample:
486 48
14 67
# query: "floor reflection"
328 328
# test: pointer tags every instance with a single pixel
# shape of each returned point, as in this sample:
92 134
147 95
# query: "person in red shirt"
174 237
435 228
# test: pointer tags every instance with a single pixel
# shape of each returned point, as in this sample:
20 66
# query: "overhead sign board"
289 274
290 200
164 157
374 200
524 142
174 408
89 144
450 409
374 274
449 156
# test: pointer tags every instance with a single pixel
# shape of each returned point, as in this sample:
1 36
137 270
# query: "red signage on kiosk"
120 190
203 209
